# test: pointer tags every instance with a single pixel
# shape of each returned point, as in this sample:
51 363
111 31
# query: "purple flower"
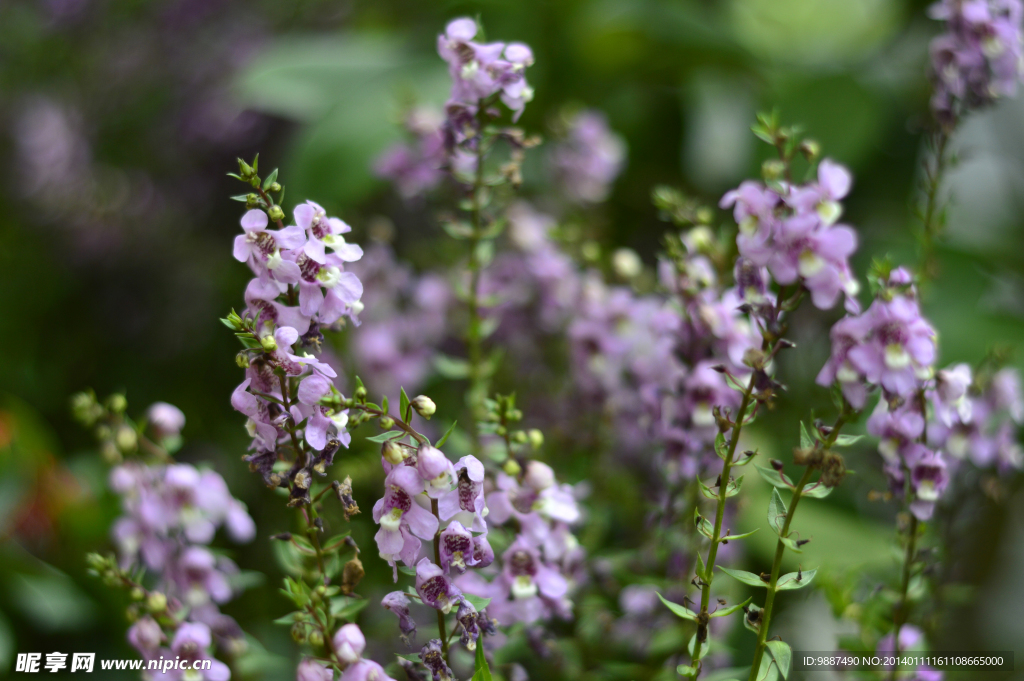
191 643
435 469
146 636
432 656
165 419
365 670
900 347
456 547
434 586
589 158
398 603
349 643
928 479
324 232
401 519
261 247
979 57
311 670
468 495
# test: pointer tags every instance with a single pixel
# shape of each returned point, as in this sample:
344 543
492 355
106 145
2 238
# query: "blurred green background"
119 119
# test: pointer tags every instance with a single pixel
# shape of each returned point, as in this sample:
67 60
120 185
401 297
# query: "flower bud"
626 263
519 437
274 187
349 643
316 639
773 169
299 632
810 149
245 170
126 439
137 594
393 452
387 423
276 213
117 403
424 406
536 438
242 360
512 468
85 409
539 476
269 343
109 452
157 602
431 462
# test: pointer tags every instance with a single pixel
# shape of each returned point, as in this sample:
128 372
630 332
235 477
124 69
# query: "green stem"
780 548
930 226
706 578
442 626
474 341
902 610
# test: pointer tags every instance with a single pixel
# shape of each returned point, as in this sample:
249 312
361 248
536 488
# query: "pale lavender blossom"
588 159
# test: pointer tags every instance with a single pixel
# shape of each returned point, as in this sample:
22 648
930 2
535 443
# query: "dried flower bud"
351 575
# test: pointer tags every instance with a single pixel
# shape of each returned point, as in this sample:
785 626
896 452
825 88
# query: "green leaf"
704 525
816 491
731 490
730 537
404 404
292 617
444 438
768 670
795 580
776 512
791 544
483 672
720 446
383 437
407 570
806 441
722 612
702 570
847 440
783 655
477 602
774 477
686 671
271 179
679 610
748 578
451 367
411 657
240 197
347 608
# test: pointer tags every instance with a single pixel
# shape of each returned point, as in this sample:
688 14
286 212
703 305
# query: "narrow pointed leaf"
806 441
383 437
444 438
816 491
791 544
730 537
783 655
795 580
482 671
847 440
748 578
774 477
776 511
679 610
722 612
768 670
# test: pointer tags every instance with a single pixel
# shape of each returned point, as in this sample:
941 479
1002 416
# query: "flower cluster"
480 72
979 58
588 158
300 287
536 570
403 324
416 166
347 644
171 513
792 230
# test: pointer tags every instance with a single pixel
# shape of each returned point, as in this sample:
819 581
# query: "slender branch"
780 546
474 340
931 222
902 613
705 596
380 413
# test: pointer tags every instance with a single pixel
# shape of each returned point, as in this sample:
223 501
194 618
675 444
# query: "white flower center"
810 263
329 276
829 211
896 356
703 415
748 225
926 491
847 374
274 260
391 520
523 587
